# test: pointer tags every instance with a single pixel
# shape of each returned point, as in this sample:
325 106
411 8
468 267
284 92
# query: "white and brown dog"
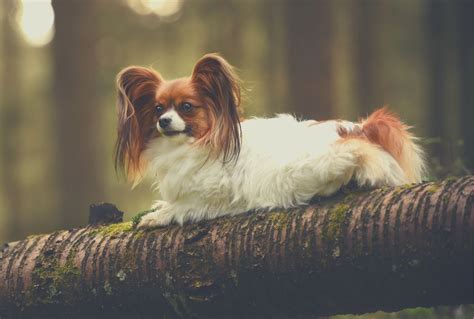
208 162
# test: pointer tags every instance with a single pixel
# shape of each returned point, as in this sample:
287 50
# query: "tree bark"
357 252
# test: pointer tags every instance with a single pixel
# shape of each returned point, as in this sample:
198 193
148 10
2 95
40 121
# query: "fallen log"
357 252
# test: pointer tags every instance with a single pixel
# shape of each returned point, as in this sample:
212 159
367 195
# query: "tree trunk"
10 117
309 43
445 46
77 112
465 25
365 30
357 252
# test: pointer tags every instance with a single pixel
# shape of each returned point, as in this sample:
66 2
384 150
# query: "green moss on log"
115 229
138 217
54 283
280 218
433 188
402 188
337 215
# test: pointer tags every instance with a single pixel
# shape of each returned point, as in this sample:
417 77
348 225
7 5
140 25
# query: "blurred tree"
77 113
309 45
227 38
450 65
465 27
10 121
273 69
436 21
365 74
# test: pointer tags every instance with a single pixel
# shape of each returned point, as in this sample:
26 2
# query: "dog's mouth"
186 131
172 133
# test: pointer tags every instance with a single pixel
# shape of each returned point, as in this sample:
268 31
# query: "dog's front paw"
157 218
159 204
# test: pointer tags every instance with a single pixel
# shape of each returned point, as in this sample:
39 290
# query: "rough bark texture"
357 252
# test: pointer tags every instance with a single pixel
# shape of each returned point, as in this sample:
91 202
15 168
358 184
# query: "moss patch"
402 188
433 188
450 179
108 288
34 236
138 217
54 283
114 229
336 219
281 218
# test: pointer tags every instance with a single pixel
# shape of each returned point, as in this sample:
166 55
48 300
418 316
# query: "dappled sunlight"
36 21
162 8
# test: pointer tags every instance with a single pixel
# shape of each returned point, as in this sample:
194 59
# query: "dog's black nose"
164 122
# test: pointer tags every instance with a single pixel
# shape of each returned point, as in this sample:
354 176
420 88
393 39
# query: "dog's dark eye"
186 107
159 108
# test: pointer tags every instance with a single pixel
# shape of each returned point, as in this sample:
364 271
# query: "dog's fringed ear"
217 83
135 106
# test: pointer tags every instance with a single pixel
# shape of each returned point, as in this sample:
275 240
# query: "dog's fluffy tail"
385 129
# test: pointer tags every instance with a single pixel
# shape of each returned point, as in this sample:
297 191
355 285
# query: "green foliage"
444 312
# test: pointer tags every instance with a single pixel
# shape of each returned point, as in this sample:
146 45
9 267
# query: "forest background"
317 59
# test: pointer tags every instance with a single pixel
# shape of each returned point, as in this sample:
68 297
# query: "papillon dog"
189 136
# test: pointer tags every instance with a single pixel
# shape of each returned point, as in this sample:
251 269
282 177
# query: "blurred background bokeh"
317 59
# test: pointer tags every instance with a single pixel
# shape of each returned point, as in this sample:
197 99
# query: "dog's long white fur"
283 163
